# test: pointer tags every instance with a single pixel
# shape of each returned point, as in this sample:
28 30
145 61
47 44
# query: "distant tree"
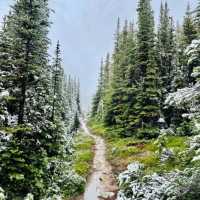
166 50
189 29
197 17
98 95
57 79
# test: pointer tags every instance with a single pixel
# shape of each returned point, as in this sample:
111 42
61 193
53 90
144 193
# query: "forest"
141 138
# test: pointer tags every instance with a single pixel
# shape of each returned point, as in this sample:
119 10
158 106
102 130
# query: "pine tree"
144 35
98 95
120 96
130 114
189 28
115 102
39 110
6 72
78 101
166 49
197 17
57 78
106 78
105 88
58 112
117 36
189 34
27 39
148 98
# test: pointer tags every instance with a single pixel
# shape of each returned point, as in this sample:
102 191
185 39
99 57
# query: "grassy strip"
123 151
82 159
83 155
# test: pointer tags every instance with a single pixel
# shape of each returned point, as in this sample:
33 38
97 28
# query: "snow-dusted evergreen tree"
78 96
197 17
189 29
107 75
189 34
98 96
27 28
6 70
57 82
72 103
118 110
186 100
148 107
56 140
166 49
34 106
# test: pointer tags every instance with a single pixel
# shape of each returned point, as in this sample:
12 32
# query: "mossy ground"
83 154
123 151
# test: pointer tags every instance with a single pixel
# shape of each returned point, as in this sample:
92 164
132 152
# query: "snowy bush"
185 98
64 181
4 140
195 147
168 131
73 184
135 185
166 155
195 143
163 152
185 102
134 171
2 195
29 197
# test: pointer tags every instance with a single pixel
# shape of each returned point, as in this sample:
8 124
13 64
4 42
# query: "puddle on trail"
101 184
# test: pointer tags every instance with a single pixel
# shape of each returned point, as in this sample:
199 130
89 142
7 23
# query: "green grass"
82 159
83 155
123 151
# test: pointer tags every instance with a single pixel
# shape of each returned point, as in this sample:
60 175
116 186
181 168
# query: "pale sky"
85 29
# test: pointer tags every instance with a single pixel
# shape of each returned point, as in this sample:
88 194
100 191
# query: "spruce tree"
181 78
98 95
6 72
130 114
189 29
119 101
189 34
58 112
28 43
78 96
115 102
148 97
117 36
197 17
57 79
106 78
166 50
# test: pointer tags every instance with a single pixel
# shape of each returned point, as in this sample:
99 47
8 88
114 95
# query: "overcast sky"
85 29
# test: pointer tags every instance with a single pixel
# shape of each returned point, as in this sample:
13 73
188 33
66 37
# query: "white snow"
4 94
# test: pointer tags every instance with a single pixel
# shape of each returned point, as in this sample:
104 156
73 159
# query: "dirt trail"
101 184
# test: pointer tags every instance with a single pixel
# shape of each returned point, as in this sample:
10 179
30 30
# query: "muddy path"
101 184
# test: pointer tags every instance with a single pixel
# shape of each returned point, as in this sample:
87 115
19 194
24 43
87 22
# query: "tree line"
148 68
39 106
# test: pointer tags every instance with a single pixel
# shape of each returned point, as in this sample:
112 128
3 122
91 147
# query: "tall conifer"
148 98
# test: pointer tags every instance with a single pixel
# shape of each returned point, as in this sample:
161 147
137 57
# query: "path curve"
102 184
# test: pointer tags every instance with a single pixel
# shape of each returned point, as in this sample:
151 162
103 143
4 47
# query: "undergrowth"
123 151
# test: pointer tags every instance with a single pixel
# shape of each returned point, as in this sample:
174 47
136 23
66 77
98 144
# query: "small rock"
166 155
